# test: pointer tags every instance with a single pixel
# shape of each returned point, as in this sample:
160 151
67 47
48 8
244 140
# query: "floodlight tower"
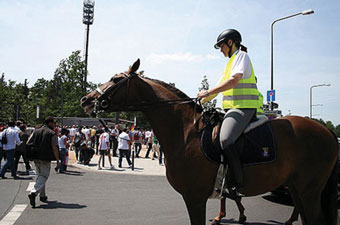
88 14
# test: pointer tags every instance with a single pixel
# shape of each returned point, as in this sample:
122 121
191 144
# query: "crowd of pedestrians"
114 141
85 141
50 142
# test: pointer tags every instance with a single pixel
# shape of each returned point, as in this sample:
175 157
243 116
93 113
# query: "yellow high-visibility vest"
259 110
244 95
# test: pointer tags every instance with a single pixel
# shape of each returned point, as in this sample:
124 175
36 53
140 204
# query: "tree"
205 86
68 84
337 130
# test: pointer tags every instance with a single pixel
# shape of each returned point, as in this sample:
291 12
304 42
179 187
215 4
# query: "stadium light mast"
88 14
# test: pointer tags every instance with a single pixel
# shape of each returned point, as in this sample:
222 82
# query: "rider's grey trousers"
234 123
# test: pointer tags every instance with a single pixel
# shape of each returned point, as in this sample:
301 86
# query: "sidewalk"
142 166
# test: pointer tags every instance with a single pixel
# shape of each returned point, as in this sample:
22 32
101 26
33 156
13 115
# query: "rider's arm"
220 87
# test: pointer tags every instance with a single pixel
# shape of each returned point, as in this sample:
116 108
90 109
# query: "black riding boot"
234 162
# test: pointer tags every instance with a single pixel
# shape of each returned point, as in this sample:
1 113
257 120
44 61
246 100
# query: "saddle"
255 145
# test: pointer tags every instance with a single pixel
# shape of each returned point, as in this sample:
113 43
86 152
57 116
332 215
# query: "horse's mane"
171 88
177 92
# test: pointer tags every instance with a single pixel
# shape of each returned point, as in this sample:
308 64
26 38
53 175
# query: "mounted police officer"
240 97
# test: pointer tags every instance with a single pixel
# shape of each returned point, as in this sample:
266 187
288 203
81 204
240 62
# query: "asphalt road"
83 197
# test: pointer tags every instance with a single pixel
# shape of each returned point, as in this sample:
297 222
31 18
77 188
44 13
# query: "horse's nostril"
83 99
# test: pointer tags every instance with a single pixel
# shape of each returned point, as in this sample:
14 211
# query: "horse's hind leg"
241 209
308 203
294 217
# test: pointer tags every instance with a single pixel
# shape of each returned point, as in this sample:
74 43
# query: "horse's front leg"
197 209
217 219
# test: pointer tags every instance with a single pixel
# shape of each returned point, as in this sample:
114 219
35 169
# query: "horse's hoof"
242 219
216 222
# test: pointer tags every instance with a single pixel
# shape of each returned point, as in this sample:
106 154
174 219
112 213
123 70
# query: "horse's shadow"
60 205
282 200
232 221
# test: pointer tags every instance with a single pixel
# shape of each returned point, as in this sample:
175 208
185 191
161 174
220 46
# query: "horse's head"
111 94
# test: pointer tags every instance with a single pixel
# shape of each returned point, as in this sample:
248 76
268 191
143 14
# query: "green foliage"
337 130
57 97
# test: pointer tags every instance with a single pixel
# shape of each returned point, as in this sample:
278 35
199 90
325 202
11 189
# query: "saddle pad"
258 145
210 150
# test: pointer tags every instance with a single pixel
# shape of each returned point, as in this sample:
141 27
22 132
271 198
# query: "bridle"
105 96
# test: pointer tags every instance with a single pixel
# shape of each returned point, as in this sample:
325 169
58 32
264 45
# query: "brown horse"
306 150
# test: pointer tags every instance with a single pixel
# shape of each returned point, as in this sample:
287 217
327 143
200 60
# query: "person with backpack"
10 138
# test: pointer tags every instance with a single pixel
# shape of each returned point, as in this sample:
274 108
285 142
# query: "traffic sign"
270 95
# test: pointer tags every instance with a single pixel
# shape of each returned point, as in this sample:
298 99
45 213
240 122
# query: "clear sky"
174 40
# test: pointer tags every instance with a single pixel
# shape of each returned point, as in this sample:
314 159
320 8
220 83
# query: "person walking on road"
155 147
124 144
104 148
21 149
148 137
12 137
45 142
62 142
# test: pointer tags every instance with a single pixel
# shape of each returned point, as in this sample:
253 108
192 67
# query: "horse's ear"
134 67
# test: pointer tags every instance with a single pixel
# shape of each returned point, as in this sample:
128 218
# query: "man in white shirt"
71 135
104 148
148 138
9 148
124 147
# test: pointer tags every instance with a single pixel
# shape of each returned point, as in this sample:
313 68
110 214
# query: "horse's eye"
116 79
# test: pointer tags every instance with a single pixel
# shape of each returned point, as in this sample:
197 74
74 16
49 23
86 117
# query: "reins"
102 102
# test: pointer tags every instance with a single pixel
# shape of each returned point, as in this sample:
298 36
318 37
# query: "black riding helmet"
231 34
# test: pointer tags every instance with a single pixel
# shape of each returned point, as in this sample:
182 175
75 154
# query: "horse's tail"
329 195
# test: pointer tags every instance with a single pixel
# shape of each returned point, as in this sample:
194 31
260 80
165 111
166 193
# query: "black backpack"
32 150
4 138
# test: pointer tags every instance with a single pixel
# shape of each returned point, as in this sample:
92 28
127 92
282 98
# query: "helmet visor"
218 44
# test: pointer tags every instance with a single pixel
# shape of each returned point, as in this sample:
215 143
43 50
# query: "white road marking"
13 215
30 186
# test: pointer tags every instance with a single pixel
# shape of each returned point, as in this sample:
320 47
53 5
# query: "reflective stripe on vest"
240 97
244 95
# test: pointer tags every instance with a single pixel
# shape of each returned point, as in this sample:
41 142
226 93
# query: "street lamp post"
311 97
88 14
305 12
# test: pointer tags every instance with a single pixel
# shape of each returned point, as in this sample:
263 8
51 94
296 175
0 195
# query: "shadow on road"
232 221
282 200
60 205
73 173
